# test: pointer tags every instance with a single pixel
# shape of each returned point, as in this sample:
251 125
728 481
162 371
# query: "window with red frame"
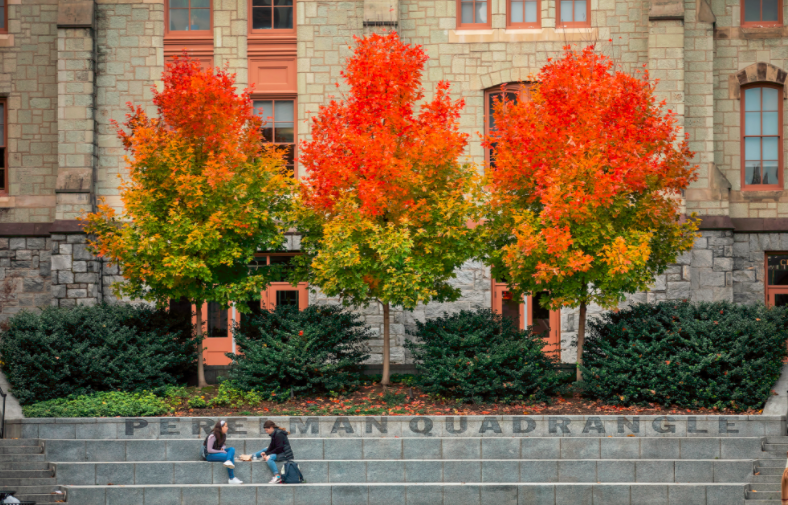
513 93
3 19
762 12
272 14
523 14
279 127
3 147
189 15
762 137
473 13
573 13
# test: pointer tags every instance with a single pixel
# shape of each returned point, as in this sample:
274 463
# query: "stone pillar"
75 273
75 108
230 28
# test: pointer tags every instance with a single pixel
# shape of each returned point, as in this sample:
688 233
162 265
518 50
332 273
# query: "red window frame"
489 96
779 21
780 138
512 24
474 26
294 144
572 24
276 32
191 34
4 16
4 147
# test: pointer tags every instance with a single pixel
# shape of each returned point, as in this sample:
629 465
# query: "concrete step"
413 494
26 474
42 498
8 442
757 479
13 482
36 489
35 465
21 458
387 471
764 495
420 448
22 449
602 426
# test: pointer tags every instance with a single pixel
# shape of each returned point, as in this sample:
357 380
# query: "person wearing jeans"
278 449
218 452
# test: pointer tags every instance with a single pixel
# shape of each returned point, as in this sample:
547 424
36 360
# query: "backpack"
204 449
292 474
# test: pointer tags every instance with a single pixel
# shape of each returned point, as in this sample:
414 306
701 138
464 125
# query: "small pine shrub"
229 395
478 356
694 355
108 404
83 350
311 351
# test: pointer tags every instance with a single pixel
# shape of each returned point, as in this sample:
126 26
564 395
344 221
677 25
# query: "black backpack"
292 474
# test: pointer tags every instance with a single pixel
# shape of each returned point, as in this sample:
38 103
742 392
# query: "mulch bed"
401 400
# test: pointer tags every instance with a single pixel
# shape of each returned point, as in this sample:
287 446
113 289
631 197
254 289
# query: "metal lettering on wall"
446 426
75 13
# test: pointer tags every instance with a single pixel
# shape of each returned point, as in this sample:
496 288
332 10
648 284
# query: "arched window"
762 151
513 92
762 12
474 14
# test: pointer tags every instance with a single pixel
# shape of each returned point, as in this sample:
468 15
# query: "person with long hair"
784 485
216 450
278 450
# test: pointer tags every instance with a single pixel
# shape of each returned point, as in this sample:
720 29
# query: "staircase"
24 469
410 461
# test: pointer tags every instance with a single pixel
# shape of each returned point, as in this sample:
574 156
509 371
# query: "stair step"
22 449
765 479
42 498
765 495
35 489
6 442
26 474
20 465
22 458
26 482
765 486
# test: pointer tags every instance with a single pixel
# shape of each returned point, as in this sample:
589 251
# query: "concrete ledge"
413 494
474 448
406 426
416 471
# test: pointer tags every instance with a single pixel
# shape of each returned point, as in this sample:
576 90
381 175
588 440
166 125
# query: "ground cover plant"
693 355
288 351
82 350
477 356
107 404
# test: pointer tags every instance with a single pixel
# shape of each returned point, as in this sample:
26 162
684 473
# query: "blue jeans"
271 460
221 457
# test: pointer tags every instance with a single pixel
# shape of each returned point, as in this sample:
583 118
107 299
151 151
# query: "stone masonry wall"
28 78
24 271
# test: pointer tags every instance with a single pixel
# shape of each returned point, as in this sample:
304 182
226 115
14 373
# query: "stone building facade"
68 68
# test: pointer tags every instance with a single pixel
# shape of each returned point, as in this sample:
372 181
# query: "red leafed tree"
386 202
202 196
584 194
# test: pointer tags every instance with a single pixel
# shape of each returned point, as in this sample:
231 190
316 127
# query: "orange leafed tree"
202 196
385 204
584 194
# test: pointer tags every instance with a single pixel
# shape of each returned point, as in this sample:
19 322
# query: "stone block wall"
76 273
28 77
25 280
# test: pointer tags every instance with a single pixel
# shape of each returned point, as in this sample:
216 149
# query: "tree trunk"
581 340
384 381
200 361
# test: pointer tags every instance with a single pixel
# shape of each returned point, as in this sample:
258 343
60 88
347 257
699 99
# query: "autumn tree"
584 194
202 195
385 203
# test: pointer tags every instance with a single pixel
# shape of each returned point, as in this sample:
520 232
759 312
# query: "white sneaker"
255 460
229 464
235 480
276 480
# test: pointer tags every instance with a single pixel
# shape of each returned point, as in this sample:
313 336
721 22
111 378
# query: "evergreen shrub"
478 356
107 404
694 355
312 351
83 350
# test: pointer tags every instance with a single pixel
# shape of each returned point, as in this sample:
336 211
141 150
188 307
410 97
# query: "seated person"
278 450
217 451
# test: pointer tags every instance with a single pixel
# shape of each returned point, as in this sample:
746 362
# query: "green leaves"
478 356
313 351
691 355
109 404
